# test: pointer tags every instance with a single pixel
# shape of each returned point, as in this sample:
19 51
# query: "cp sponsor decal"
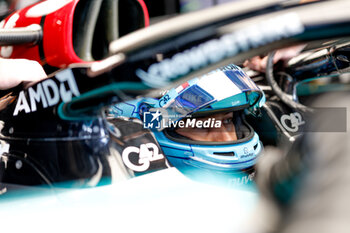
292 121
163 101
145 155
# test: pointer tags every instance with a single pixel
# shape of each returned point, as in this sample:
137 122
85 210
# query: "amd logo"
47 93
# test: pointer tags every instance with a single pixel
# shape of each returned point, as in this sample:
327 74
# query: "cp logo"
163 101
295 120
147 153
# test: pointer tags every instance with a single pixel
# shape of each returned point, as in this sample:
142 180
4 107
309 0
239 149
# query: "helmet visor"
218 90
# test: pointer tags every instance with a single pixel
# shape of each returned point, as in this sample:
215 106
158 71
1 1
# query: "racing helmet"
183 118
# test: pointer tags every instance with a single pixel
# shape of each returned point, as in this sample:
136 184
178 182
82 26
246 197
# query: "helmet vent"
225 153
256 146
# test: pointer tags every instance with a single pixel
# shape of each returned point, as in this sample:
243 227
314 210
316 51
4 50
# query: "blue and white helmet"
192 108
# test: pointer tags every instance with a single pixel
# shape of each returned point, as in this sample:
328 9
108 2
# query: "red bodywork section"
56 48
58 39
